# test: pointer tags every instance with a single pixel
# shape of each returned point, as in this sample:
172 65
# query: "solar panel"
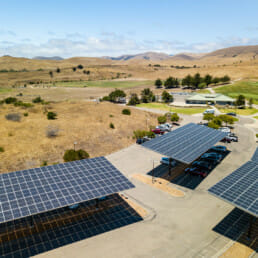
186 143
255 156
28 192
240 188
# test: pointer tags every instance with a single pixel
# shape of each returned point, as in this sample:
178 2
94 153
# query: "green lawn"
204 91
165 107
256 117
247 88
105 84
243 112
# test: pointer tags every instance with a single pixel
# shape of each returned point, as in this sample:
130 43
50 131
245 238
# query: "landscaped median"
165 107
160 184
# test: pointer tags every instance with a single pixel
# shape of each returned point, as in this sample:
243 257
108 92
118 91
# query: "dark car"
196 171
218 148
202 164
157 131
142 140
231 114
226 139
211 157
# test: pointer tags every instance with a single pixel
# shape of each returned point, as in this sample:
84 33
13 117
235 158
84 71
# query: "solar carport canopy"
240 188
255 156
186 143
28 192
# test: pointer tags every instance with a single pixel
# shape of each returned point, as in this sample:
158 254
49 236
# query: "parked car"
196 171
212 156
209 111
169 125
218 148
163 127
142 140
165 161
226 139
225 129
202 164
74 206
232 138
157 131
231 114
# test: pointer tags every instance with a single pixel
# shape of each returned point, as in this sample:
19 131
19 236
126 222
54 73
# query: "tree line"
195 82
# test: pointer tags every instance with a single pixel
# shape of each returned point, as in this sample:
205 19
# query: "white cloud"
111 44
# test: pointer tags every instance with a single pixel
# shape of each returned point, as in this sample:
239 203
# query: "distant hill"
152 56
56 58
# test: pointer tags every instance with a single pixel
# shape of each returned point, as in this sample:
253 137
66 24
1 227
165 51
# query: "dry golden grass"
237 250
160 184
236 67
87 123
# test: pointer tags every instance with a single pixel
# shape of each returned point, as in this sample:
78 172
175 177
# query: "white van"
209 111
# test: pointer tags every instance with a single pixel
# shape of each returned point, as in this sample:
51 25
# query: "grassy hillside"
26 145
247 88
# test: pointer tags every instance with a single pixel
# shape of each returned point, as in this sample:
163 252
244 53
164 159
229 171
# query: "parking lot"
197 225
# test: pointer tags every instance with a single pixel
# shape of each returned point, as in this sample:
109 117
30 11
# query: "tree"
166 97
174 117
251 101
51 115
134 100
202 85
215 80
147 96
80 66
162 119
213 125
158 83
240 100
51 74
225 78
171 82
196 80
115 95
58 70
207 79
74 69
187 80
226 119
208 117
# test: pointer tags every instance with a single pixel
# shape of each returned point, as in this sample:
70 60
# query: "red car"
157 131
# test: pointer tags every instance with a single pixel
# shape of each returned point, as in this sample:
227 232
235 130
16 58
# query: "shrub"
44 163
58 70
13 117
22 104
162 119
10 100
208 117
111 125
1 149
38 100
106 98
72 155
213 125
141 133
80 66
174 117
52 131
51 115
111 115
126 111
25 114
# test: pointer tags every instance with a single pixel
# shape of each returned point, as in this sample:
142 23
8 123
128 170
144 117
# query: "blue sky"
112 27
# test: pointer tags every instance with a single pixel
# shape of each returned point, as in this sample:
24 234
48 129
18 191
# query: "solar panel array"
255 156
186 143
240 188
28 192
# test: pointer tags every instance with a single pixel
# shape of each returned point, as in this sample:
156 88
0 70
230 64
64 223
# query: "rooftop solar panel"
186 143
28 192
240 188
255 156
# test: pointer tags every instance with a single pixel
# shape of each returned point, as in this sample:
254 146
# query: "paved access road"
192 226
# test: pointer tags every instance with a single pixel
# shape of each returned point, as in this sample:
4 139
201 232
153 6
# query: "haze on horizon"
113 28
